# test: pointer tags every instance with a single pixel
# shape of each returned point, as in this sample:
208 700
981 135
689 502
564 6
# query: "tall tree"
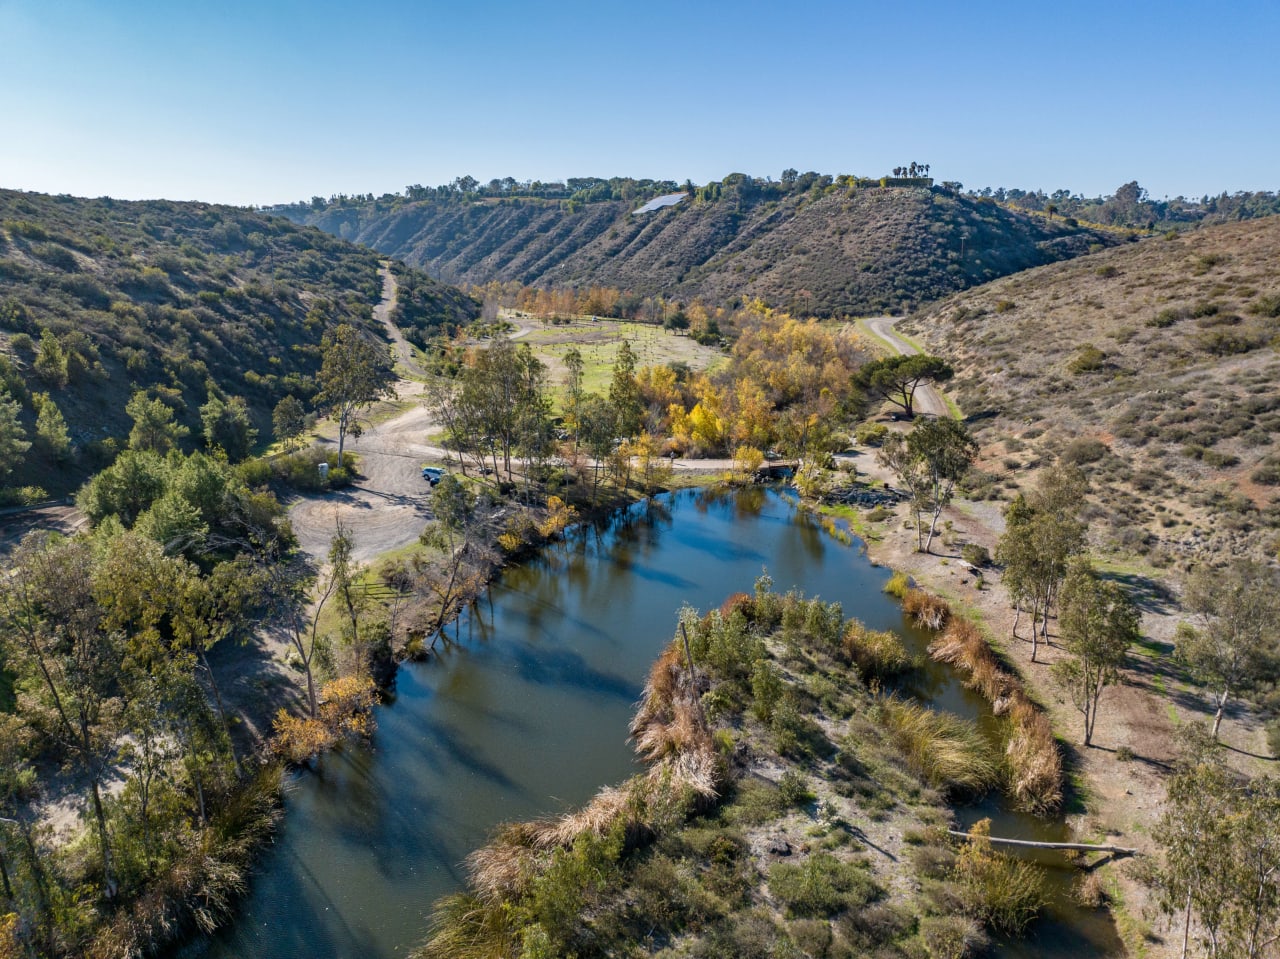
13 438
574 368
227 427
355 372
1099 623
945 451
51 427
73 663
1234 650
153 425
1042 532
288 421
1220 839
624 393
896 378
895 454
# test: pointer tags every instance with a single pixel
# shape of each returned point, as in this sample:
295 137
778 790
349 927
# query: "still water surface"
526 714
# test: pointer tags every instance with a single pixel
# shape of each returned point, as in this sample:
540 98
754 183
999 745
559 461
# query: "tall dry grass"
928 611
946 751
1032 757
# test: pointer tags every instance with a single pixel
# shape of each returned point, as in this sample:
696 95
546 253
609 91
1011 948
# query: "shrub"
821 886
793 789
1267 472
1166 318
1003 893
1084 450
898 585
870 434
928 611
953 937
975 554
1088 359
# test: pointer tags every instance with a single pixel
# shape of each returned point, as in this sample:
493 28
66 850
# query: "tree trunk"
1186 925
100 816
4 878
1035 636
1222 708
1017 615
1028 844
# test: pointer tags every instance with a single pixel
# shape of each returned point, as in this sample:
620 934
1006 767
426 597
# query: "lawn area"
600 341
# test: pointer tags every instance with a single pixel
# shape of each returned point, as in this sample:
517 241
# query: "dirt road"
927 399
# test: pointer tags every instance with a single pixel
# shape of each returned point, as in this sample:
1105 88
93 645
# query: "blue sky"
263 101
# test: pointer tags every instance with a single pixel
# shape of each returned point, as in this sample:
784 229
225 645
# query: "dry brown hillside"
1154 366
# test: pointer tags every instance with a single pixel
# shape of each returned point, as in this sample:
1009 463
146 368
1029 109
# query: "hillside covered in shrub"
102 298
1155 364
811 244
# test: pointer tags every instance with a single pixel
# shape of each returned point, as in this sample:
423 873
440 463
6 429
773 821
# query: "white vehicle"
433 474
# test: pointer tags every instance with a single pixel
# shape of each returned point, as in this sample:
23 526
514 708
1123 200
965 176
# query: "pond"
525 714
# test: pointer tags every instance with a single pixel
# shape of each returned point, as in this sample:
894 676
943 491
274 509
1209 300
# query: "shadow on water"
524 712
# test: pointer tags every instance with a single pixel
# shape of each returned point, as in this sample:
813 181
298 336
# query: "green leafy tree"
355 372
597 428
228 427
51 360
289 421
51 427
896 378
71 662
1220 839
895 454
1234 649
153 425
1042 532
624 393
13 438
945 451
574 368
1099 623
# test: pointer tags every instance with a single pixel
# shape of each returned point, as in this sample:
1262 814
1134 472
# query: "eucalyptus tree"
355 372
1099 623
1233 648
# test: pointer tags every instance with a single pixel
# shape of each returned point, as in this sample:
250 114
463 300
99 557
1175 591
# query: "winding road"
927 398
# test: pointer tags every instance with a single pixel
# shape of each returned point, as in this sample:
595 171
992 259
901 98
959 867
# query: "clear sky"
264 101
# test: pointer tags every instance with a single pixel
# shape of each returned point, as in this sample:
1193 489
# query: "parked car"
433 474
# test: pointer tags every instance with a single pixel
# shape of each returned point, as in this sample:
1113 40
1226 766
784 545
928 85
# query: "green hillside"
810 244
100 298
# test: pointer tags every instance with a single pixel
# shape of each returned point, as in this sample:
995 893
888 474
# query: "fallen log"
1028 844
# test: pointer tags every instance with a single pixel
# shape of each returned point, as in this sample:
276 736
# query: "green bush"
898 585
1088 359
822 886
870 434
794 789
975 554
300 470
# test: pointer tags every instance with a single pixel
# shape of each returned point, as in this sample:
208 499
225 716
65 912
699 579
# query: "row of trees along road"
498 409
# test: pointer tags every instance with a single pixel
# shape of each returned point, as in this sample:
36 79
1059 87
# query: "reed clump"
946 751
928 611
878 654
1032 758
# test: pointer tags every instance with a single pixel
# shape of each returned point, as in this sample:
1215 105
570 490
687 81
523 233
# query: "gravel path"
927 398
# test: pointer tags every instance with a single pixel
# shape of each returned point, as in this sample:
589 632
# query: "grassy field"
599 342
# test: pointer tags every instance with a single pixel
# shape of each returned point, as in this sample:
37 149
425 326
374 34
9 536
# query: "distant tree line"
1131 206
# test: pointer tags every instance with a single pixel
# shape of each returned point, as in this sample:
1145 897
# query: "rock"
778 847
